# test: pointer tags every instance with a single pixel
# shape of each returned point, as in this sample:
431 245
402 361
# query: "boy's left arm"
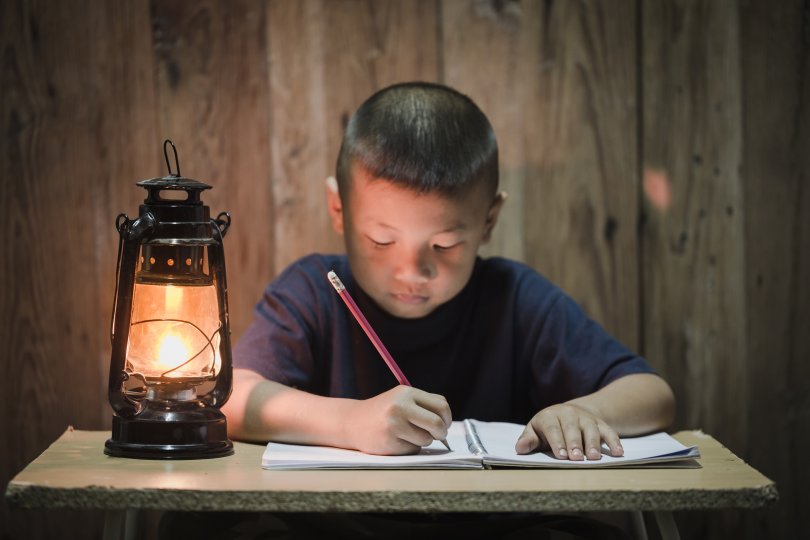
631 405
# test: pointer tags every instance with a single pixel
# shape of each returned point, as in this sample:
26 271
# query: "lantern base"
163 432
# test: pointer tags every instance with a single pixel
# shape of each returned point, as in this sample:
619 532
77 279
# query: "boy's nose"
416 267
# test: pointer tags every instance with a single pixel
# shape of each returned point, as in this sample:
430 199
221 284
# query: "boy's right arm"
399 421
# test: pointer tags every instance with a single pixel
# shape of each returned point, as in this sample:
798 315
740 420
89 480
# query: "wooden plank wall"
776 188
693 246
655 154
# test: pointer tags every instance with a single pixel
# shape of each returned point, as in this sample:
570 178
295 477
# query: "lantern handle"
223 222
127 251
176 159
127 230
120 225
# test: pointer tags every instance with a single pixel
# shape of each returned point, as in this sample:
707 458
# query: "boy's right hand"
399 421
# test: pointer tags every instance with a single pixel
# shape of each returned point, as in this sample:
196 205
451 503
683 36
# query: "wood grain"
326 59
503 37
693 245
212 94
67 119
559 88
776 55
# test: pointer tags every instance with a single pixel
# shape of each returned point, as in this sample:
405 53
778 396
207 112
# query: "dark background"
655 153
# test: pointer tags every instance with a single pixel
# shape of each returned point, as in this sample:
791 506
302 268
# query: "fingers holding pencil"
439 422
443 411
401 420
414 415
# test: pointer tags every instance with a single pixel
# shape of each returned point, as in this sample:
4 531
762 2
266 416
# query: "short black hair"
424 136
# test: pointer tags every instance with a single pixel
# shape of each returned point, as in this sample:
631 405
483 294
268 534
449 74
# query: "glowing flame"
173 299
173 352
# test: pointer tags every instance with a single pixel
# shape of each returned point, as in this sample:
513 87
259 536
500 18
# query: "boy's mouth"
411 299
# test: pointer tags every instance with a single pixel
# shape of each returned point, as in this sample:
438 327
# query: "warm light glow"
174 299
171 354
170 325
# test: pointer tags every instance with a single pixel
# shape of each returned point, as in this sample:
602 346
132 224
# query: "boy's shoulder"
311 270
511 273
507 280
316 262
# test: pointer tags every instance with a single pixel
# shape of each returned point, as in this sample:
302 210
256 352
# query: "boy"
416 195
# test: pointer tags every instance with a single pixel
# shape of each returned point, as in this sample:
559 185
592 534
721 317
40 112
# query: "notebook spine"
473 441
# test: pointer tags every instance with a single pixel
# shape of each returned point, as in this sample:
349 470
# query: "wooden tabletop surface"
75 473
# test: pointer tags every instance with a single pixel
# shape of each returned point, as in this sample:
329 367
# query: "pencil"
372 335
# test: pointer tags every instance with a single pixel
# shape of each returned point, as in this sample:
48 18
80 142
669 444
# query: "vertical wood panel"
67 118
584 205
326 58
212 73
776 115
693 252
558 81
491 52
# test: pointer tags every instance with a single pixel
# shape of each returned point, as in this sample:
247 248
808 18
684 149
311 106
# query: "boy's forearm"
633 405
260 410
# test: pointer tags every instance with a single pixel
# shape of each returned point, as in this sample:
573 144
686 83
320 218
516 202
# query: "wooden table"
74 473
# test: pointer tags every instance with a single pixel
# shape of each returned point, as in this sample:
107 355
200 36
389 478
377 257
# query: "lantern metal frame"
167 420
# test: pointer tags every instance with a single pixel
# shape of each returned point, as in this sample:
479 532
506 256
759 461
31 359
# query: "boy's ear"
334 204
492 214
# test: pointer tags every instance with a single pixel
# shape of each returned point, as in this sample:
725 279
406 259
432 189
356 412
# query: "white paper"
498 438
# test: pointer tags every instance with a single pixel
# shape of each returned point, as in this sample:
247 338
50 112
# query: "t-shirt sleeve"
571 354
280 343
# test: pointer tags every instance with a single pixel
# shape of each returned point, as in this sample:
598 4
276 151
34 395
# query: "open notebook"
477 445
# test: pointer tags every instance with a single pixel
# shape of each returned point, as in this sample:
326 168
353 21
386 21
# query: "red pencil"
372 335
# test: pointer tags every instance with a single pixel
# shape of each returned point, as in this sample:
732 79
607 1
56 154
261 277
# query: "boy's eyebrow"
456 227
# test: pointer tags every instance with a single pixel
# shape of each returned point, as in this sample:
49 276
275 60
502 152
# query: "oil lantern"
170 368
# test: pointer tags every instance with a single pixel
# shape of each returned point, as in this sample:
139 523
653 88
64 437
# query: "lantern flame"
172 352
174 333
173 300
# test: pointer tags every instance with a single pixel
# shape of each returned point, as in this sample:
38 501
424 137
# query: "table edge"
102 498
27 495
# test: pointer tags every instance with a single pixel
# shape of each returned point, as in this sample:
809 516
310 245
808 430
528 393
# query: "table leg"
667 526
120 525
131 525
114 524
639 527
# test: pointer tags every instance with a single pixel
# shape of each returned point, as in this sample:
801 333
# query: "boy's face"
411 252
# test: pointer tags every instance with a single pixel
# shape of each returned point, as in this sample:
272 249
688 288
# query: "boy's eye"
440 247
379 244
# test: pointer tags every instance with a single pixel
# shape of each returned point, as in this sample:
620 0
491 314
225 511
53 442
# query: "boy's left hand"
570 432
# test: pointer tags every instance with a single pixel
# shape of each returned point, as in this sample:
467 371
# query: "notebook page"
499 439
278 456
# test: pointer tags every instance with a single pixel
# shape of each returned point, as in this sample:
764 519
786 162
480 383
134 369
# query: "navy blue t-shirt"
508 345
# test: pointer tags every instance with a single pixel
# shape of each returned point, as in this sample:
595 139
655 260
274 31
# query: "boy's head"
422 136
416 195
